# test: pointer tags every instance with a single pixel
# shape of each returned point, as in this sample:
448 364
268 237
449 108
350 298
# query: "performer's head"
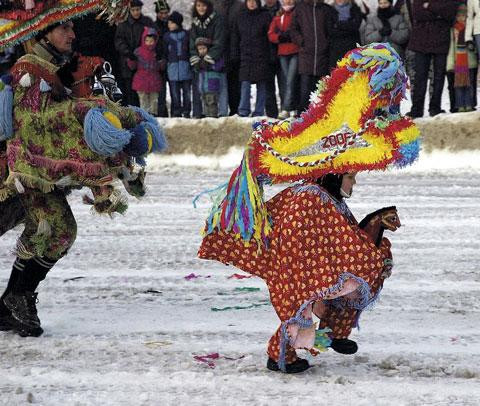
338 185
61 37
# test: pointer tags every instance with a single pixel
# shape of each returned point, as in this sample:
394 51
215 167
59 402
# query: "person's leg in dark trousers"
162 99
307 85
233 89
175 95
186 98
271 107
473 82
197 109
439 69
422 65
451 91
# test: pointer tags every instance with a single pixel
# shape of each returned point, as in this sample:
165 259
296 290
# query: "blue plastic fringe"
409 153
159 140
101 136
6 108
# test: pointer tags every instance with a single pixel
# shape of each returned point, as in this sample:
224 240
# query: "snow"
126 332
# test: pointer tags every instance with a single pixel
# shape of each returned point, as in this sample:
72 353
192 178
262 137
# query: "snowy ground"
126 331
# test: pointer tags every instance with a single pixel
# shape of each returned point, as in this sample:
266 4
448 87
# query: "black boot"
344 346
6 319
23 306
299 365
21 298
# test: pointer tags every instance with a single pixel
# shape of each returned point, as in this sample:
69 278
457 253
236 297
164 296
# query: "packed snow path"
122 324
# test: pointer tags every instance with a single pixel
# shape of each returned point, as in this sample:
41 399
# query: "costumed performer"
304 242
52 142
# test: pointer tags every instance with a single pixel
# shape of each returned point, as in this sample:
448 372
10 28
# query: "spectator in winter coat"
311 24
461 66
345 34
228 10
127 39
279 33
387 26
162 9
209 76
176 45
147 80
472 29
250 47
271 107
430 40
206 23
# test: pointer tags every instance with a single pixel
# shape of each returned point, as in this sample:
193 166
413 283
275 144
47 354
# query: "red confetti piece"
238 276
193 276
209 358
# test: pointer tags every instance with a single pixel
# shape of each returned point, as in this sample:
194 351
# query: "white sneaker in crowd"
283 114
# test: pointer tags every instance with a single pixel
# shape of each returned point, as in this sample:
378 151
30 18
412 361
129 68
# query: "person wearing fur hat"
128 38
56 142
176 46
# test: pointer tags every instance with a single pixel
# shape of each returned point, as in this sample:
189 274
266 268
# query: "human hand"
207 58
471 46
194 60
426 4
387 268
284 37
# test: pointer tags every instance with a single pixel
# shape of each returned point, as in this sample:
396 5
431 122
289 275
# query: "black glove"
471 46
132 56
284 37
385 31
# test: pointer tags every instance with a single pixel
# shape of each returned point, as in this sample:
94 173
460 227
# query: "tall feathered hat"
26 18
352 124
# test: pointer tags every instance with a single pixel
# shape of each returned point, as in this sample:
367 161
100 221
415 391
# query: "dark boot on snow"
344 346
23 308
299 365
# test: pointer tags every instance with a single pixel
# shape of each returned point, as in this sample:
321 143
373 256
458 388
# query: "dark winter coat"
431 26
211 27
127 39
94 38
176 45
311 24
344 35
162 29
398 37
250 46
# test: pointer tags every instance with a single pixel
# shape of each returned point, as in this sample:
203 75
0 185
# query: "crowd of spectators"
283 48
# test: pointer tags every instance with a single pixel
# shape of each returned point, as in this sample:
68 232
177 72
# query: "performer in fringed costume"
304 242
52 141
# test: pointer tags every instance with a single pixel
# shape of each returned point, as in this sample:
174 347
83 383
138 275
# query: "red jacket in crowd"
281 24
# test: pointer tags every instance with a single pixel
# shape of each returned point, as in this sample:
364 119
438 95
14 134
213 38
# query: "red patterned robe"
317 255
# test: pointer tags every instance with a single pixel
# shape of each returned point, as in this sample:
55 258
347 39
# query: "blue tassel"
6 108
101 136
159 141
138 145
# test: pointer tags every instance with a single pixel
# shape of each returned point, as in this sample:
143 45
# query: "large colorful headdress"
19 24
352 124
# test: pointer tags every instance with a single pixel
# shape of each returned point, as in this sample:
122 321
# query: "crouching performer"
52 142
304 242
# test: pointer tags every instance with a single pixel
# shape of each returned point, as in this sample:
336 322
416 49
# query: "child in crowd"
176 46
147 80
279 33
461 66
209 76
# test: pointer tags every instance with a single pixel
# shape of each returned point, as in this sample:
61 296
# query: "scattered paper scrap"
194 276
239 276
209 359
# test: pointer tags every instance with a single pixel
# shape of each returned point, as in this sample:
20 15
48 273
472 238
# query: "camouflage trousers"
50 228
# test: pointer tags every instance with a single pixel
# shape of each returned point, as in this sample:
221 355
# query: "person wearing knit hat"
136 3
177 18
176 49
